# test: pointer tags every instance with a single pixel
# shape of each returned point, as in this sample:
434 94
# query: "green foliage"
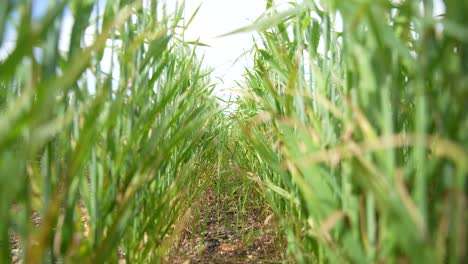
355 131
109 159
351 127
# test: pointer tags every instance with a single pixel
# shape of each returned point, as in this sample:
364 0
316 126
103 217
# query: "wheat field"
345 142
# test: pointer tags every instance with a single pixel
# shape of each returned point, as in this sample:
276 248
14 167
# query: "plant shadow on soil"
220 230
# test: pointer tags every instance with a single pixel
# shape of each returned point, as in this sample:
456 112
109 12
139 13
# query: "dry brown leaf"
268 219
228 247
330 222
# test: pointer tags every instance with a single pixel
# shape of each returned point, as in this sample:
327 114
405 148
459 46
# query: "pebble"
211 243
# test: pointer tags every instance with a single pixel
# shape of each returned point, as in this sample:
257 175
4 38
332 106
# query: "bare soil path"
220 231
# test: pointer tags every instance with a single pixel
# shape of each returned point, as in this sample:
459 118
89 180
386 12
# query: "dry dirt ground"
218 231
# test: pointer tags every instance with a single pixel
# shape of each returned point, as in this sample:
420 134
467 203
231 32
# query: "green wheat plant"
352 124
109 160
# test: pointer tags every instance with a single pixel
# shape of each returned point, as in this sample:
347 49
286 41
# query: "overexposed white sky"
217 17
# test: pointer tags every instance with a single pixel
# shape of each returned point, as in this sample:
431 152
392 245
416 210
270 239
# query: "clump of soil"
221 233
